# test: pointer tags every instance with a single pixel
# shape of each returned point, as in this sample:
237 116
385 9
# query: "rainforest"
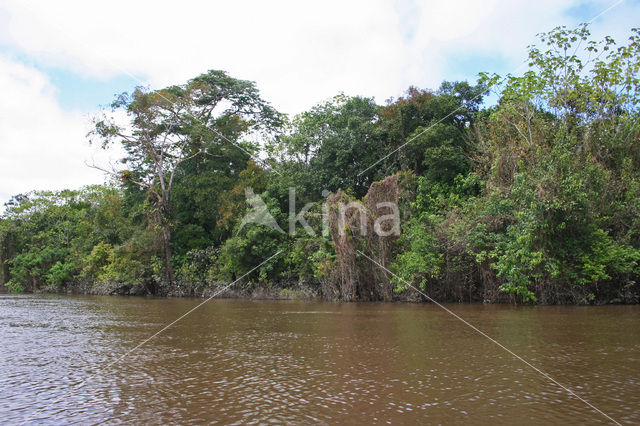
517 189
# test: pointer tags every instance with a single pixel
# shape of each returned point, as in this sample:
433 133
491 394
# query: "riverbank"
222 291
293 291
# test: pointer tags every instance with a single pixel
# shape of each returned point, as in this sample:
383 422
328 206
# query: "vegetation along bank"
530 198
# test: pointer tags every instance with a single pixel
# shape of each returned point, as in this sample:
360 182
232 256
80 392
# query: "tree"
561 161
173 125
330 145
422 125
46 237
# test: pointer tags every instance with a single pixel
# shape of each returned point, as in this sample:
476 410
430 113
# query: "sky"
62 61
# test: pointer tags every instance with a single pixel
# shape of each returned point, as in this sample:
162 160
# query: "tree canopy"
533 198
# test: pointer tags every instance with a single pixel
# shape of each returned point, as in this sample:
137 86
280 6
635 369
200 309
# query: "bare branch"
117 174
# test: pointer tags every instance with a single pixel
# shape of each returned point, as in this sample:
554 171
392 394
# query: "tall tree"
331 144
170 126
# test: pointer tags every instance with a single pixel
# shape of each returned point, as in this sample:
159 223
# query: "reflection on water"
265 361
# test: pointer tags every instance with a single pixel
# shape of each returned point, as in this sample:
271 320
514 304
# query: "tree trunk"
4 271
7 254
166 234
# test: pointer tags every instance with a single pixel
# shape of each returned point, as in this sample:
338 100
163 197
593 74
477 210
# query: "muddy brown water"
234 361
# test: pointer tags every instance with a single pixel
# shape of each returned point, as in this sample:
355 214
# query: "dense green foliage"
534 199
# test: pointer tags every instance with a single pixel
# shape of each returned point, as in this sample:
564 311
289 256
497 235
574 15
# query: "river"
65 359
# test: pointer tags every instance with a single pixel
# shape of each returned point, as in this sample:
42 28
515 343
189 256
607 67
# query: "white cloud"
299 52
41 146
